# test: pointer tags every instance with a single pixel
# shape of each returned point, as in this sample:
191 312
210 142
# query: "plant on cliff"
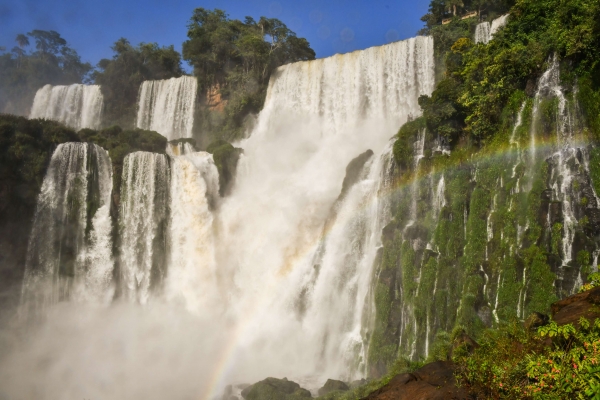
556 362
122 76
235 60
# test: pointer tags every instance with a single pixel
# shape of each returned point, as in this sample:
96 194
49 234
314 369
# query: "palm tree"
451 5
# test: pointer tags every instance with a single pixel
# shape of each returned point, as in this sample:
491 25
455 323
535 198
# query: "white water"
167 106
318 116
62 263
144 208
191 277
77 106
485 31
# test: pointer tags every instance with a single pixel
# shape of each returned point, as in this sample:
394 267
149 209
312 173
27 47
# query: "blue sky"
91 27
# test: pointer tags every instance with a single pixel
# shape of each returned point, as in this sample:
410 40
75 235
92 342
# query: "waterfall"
191 264
143 214
167 106
485 31
70 247
77 106
284 268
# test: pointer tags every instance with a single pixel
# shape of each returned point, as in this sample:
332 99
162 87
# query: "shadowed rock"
275 389
569 310
434 381
332 386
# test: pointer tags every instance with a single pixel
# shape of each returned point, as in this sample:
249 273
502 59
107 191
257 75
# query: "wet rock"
434 381
333 385
275 389
353 171
535 320
569 310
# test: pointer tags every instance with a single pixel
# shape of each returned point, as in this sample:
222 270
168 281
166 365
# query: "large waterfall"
77 106
278 275
70 249
167 106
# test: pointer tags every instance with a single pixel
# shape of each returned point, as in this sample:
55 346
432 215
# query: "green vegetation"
233 61
24 70
122 76
480 79
121 142
557 362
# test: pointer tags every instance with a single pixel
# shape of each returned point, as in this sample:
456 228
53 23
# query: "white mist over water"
278 275
77 106
167 106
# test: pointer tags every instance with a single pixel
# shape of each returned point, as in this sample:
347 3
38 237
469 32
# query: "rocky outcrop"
275 389
569 310
353 171
226 159
333 386
432 382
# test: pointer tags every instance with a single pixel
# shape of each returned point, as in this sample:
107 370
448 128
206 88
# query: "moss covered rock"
275 389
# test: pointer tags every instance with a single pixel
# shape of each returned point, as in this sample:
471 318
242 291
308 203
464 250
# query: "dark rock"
333 385
226 159
353 171
569 310
275 389
434 381
535 320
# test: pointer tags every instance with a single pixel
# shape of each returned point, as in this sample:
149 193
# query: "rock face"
569 310
275 389
332 386
434 381
353 171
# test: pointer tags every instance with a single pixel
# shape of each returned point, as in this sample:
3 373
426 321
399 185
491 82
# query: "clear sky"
92 26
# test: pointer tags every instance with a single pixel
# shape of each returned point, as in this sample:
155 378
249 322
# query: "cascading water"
143 222
282 269
167 106
485 31
77 106
191 265
317 117
70 247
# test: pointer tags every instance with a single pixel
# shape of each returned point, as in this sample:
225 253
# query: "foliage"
122 76
480 79
121 142
512 363
236 59
593 281
24 69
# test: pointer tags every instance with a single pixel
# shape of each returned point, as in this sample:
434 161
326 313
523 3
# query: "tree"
23 72
122 76
236 59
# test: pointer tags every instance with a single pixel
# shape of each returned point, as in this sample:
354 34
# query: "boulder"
535 320
275 389
569 310
333 386
434 381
